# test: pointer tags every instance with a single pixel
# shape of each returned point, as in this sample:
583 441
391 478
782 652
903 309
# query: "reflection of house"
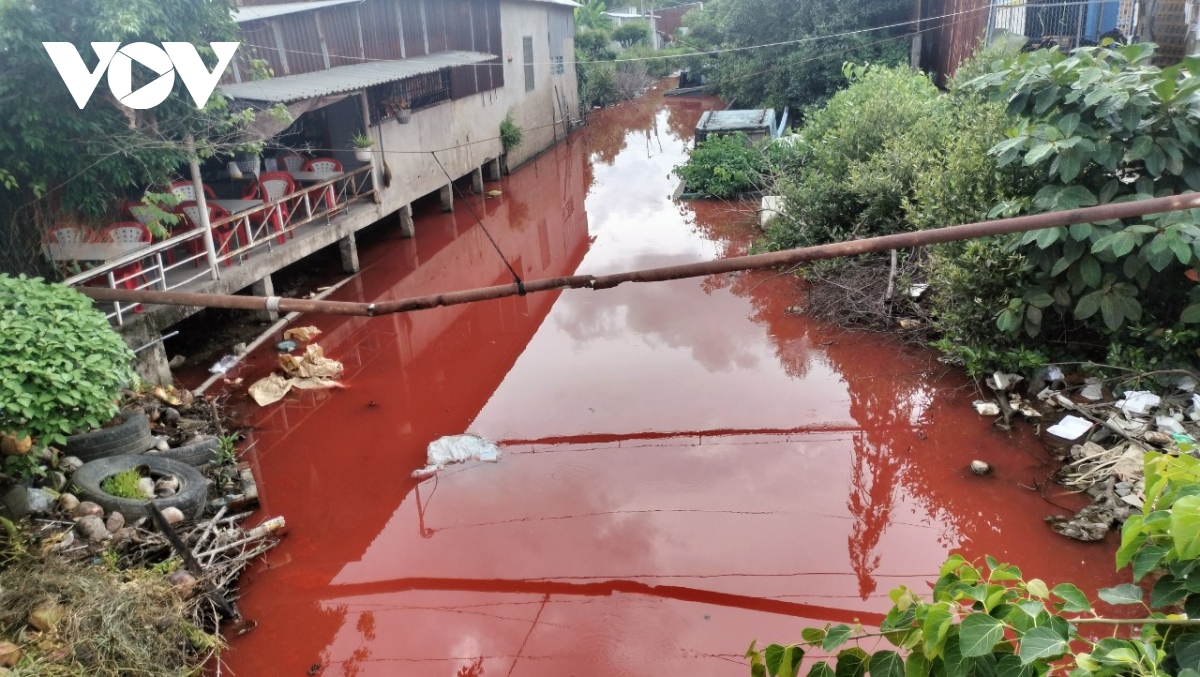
430 81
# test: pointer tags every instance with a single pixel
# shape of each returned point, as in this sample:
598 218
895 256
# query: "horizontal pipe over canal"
920 238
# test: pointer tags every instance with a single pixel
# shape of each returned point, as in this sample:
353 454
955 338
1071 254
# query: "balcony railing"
183 259
1067 24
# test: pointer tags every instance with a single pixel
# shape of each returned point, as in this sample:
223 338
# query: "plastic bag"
456 449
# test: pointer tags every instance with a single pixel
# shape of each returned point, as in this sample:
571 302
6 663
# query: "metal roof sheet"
568 3
244 14
288 88
732 120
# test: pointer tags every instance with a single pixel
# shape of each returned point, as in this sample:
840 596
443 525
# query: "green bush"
724 166
598 85
659 63
631 33
595 45
511 134
1100 125
62 366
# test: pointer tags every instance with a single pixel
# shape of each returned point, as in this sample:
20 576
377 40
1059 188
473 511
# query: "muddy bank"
687 465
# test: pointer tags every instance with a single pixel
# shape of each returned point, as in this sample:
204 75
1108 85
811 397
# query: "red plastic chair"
270 187
66 235
222 234
128 276
325 164
290 161
186 191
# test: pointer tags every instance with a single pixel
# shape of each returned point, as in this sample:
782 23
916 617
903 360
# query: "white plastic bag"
456 449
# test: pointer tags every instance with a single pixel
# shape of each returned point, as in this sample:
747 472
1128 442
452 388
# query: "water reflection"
687 465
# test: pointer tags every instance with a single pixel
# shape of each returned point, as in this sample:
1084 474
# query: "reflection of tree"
366 631
684 112
610 128
475 669
886 406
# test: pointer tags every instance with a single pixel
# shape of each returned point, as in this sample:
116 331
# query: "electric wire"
454 187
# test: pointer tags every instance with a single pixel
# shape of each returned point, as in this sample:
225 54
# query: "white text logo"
172 57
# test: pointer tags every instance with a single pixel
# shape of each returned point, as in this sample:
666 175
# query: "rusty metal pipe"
908 240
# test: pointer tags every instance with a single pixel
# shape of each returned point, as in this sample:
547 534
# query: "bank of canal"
687 465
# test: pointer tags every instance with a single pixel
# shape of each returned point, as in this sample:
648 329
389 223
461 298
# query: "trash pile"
1101 435
310 370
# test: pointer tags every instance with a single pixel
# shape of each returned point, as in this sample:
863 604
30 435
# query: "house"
430 81
670 20
626 15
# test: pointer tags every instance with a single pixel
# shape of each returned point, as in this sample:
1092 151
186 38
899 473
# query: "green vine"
989 621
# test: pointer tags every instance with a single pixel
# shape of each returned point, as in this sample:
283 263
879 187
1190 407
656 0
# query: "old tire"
132 436
190 499
198 454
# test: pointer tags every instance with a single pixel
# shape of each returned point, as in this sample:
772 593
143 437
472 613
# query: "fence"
1067 24
178 261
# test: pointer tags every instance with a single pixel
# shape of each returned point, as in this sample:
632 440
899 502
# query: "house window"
528 45
556 65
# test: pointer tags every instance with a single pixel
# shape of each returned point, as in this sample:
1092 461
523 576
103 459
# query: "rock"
162 444
46 618
167 486
41 499
11 446
170 415
92 528
980 468
239 349
183 580
146 487
87 509
56 480
70 464
10 654
114 522
67 503
173 515
177 361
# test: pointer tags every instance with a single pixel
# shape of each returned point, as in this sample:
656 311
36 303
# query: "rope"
495 245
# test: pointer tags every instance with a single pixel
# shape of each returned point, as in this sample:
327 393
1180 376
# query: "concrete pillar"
447 195
264 287
492 170
477 181
349 249
406 222
150 358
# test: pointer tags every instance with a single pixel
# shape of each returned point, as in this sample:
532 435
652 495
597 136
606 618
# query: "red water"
687 466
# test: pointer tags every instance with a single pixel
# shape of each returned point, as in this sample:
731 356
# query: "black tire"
193 489
132 436
203 452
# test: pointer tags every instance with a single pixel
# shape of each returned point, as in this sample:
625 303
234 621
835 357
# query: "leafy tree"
631 33
66 164
724 166
1097 126
593 15
807 69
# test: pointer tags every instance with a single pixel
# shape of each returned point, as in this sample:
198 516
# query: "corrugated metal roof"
244 14
290 88
568 3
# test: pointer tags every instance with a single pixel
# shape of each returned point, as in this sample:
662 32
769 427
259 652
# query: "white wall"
471 126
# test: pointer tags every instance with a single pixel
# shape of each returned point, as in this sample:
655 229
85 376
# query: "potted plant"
248 158
362 147
399 108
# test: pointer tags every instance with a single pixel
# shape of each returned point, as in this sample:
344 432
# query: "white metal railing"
182 259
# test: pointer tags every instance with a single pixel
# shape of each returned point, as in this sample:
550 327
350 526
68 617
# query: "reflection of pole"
202 206
424 531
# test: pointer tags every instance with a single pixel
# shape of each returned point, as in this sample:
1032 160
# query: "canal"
687 466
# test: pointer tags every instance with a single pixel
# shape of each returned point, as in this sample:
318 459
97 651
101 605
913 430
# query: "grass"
124 484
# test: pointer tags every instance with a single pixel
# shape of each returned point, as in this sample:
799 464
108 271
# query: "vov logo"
171 58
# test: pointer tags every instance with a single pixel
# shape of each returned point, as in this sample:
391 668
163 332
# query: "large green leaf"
886 664
978 633
1147 559
1185 527
1126 593
836 636
1073 598
1041 643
